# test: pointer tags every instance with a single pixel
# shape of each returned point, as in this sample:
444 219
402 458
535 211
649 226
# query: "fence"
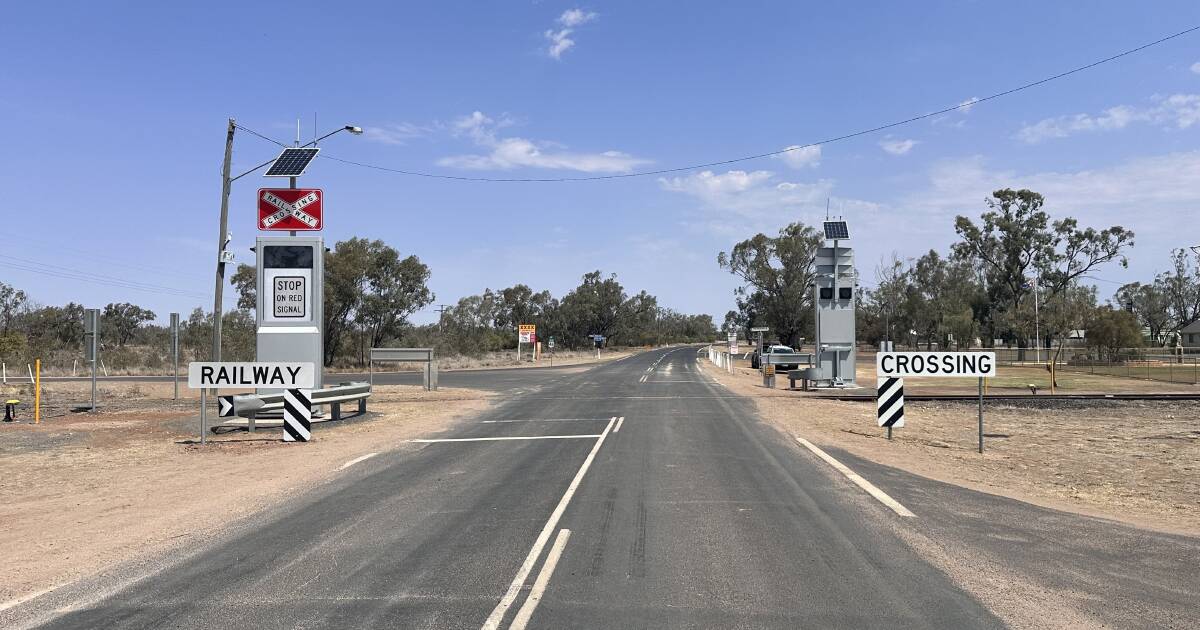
1156 364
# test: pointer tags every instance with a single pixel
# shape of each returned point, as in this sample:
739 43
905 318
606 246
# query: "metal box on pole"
834 307
289 313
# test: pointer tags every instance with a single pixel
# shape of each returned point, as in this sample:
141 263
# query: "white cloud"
398 133
738 203
1196 67
799 157
965 106
560 39
897 146
507 153
574 17
1178 110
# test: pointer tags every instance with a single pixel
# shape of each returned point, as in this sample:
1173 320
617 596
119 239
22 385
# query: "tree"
123 320
1150 304
1016 239
778 273
592 308
395 290
11 302
1070 310
1181 288
245 280
1112 330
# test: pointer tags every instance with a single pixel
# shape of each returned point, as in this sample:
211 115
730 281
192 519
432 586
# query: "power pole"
441 309
220 288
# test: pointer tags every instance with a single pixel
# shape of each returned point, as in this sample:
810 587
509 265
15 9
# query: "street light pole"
218 293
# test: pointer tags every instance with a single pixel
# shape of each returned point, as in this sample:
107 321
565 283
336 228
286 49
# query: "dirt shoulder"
81 492
1132 461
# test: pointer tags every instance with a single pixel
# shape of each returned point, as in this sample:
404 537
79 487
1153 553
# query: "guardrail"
250 406
406 355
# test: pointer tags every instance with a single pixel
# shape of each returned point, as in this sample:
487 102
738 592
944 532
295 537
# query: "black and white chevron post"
297 415
889 402
225 407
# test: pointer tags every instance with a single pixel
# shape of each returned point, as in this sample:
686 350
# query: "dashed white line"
356 460
880 495
509 437
620 421
514 589
543 578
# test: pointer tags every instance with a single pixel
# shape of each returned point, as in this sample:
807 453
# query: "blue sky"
116 116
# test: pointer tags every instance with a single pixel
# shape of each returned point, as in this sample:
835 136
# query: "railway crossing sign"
290 209
892 367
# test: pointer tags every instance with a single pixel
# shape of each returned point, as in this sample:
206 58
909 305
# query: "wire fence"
1155 364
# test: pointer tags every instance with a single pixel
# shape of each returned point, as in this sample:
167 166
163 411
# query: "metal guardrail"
407 355
788 358
250 406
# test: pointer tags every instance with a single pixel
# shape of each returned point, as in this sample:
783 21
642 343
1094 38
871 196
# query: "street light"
223 237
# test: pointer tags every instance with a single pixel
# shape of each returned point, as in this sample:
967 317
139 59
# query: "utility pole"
441 309
218 293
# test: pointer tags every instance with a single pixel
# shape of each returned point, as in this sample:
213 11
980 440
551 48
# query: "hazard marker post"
892 367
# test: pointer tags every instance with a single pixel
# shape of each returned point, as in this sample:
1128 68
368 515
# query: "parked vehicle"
756 362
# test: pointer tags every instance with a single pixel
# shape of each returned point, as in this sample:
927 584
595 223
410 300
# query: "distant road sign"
206 374
290 209
527 332
759 329
951 364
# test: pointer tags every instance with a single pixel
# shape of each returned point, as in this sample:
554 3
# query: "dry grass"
73 496
1135 461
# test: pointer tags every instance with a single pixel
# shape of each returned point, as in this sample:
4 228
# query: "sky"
116 116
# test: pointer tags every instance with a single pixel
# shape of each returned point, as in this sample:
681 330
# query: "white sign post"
892 367
205 375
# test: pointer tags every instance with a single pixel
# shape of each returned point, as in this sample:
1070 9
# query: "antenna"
827 208
297 131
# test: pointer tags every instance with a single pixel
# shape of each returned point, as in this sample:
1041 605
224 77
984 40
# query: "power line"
83 276
757 156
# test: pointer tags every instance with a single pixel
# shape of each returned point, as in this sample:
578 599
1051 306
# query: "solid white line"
541 420
620 421
24 598
510 437
514 589
858 481
543 578
356 460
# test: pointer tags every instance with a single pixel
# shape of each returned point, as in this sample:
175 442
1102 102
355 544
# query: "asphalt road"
638 494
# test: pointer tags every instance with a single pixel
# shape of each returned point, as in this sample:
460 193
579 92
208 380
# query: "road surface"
637 494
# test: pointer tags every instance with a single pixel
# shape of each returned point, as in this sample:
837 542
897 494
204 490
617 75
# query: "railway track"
1022 397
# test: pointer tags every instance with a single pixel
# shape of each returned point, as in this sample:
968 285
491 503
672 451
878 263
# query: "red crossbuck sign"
289 208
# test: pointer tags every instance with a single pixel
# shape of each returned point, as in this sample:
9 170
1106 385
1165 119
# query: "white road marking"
509 437
880 495
356 460
24 598
541 420
514 589
643 379
620 421
543 578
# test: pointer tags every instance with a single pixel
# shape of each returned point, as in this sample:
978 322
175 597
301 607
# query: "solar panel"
292 162
836 230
